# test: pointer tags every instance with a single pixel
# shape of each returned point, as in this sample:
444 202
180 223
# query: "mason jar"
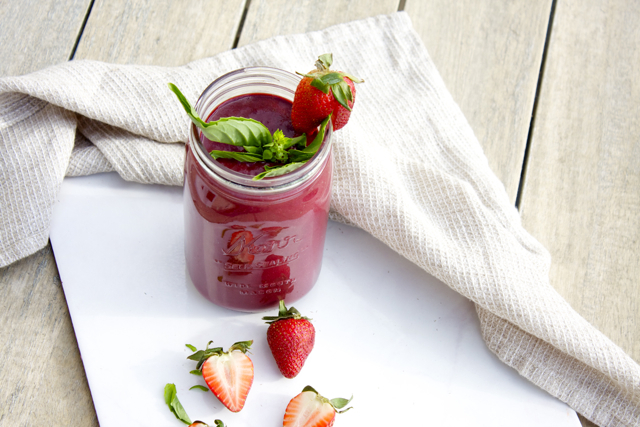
250 244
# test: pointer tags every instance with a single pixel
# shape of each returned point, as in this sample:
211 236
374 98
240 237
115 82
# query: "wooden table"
551 89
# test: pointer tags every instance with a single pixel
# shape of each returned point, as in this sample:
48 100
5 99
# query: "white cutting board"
401 342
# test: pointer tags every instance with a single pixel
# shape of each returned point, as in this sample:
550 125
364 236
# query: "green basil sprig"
256 140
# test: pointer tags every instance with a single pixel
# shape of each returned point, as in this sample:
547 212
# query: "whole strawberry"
291 338
310 409
320 93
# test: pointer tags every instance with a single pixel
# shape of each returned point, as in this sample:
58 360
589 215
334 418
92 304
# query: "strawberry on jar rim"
323 92
291 337
310 409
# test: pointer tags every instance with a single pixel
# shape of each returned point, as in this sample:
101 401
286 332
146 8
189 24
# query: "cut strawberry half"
229 375
310 409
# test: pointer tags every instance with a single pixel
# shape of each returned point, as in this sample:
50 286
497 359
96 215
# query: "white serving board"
401 342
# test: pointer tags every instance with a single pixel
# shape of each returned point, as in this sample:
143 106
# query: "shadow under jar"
250 244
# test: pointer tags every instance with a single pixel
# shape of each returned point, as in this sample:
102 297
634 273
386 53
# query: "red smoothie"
248 248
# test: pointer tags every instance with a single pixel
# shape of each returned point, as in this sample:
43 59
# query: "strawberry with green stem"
229 375
323 92
171 399
291 337
310 409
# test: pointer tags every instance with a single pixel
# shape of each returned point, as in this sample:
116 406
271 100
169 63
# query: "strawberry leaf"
353 78
243 346
332 78
320 85
309 388
342 93
199 387
191 347
196 372
219 423
171 399
324 61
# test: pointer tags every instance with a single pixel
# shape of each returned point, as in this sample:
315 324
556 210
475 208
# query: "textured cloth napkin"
408 170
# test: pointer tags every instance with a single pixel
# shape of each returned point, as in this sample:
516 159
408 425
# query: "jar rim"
260 79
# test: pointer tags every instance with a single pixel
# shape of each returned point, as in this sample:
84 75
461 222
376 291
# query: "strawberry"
291 338
323 92
310 409
229 375
202 424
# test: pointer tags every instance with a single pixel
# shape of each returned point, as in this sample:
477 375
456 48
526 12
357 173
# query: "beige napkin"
409 170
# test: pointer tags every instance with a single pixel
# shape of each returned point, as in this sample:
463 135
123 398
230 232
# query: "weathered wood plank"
42 377
159 32
43 381
489 55
581 196
268 18
35 34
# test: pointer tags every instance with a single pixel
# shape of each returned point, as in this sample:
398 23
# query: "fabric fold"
408 170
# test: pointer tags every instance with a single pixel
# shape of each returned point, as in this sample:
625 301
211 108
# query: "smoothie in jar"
251 243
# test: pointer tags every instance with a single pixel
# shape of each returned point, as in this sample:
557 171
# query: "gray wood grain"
159 32
489 55
43 381
42 377
582 186
35 34
268 18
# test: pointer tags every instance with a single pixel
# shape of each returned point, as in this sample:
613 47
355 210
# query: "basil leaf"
302 139
299 156
171 399
253 150
191 112
239 156
317 141
236 131
278 170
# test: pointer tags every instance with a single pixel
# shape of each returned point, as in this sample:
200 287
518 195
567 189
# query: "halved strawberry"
310 409
229 375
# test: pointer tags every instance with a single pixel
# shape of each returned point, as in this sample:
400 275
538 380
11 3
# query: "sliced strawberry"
229 375
310 409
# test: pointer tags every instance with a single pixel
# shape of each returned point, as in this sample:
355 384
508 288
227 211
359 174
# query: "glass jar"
249 244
